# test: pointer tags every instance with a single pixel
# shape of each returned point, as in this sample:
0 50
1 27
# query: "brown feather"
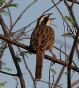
42 39
39 63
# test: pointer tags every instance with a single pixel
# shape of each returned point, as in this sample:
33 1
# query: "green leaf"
22 33
70 20
4 12
19 59
22 53
53 71
59 85
10 5
2 84
67 35
8 69
2 47
1 2
34 84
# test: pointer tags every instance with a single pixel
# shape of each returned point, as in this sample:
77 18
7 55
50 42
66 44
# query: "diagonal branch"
73 46
8 73
74 1
22 14
74 83
34 52
71 59
19 73
51 7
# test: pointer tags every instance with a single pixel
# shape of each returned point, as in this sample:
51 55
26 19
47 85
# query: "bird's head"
43 19
49 21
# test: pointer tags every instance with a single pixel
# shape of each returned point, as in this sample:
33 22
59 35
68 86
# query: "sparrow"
49 21
42 39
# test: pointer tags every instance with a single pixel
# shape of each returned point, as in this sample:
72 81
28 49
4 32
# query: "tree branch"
34 52
8 73
73 1
73 46
74 83
19 73
22 14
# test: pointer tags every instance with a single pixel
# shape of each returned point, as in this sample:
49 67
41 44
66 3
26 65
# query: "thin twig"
37 18
52 7
74 83
22 14
8 73
73 46
28 69
19 73
62 16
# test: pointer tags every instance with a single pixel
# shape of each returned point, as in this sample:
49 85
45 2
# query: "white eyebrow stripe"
43 18
48 22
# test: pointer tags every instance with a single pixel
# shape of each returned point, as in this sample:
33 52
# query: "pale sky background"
29 16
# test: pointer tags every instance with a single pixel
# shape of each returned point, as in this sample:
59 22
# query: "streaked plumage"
42 39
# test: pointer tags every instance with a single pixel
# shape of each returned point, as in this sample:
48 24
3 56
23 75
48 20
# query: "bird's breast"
41 36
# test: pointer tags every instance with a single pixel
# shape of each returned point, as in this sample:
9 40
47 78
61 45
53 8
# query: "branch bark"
73 46
19 73
34 52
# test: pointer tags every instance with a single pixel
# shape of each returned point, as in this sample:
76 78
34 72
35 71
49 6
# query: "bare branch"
52 7
19 73
34 52
74 1
8 73
74 83
73 46
22 13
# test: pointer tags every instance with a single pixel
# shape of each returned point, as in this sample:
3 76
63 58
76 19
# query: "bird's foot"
54 56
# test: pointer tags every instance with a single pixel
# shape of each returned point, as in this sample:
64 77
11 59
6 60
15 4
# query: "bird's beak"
47 14
50 14
52 19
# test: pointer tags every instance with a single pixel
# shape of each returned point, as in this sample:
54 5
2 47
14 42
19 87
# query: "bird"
42 39
49 21
42 20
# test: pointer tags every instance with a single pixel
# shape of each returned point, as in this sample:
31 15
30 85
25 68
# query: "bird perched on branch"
42 39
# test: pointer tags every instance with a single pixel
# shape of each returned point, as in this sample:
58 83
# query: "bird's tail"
39 63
